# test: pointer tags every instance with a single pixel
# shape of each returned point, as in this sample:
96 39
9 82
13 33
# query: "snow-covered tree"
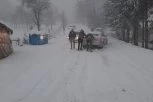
37 7
124 14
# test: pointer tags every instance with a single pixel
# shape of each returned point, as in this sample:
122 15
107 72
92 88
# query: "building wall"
5 44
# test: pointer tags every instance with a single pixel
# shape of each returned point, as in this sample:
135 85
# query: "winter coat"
81 35
72 35
89 38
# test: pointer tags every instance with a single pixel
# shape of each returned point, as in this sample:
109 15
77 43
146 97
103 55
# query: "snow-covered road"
53 73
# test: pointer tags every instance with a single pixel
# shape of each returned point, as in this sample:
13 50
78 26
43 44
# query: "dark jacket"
89 37
81 35
72 34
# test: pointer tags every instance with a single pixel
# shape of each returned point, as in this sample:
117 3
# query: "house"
5 41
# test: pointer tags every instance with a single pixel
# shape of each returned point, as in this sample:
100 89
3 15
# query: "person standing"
89 41
80 39
72 36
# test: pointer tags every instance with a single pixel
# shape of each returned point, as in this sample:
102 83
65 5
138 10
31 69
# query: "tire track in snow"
22 78
61 83
61 50
131 74
74 88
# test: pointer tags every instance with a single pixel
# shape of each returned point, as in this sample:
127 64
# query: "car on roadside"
100 40
103 36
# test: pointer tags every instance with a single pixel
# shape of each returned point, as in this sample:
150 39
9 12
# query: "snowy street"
54 73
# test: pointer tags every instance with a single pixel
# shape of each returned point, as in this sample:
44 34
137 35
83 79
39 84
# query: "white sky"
67 5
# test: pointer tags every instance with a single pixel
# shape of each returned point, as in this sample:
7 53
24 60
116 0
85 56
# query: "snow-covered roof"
3 27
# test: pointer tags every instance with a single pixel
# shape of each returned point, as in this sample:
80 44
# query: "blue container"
35 39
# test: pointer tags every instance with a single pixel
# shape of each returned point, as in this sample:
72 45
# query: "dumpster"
38 39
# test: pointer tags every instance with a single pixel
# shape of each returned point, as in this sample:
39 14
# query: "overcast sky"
67 5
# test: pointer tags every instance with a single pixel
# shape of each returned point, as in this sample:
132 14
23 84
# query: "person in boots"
72 36
89 41
80 39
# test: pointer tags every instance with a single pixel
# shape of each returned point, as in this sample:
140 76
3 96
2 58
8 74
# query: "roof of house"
4 27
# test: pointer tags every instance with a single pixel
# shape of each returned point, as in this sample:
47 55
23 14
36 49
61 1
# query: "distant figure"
89 41
72 36
80 39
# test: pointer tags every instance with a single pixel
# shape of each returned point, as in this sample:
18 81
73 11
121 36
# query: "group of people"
84 41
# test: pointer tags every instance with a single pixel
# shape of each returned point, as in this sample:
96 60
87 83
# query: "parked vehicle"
104 37
100 40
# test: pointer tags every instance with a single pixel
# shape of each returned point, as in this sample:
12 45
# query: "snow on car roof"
95 32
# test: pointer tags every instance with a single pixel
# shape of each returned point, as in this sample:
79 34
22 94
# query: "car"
102 34
100 40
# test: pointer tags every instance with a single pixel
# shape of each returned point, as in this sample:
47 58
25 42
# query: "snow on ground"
53 73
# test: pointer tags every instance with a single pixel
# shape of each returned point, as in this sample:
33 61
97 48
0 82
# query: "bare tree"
37 7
